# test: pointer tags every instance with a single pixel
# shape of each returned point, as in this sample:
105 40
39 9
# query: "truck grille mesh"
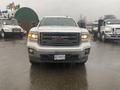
59 39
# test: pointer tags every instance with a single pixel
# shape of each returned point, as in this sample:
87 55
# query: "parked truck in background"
109 28
9 27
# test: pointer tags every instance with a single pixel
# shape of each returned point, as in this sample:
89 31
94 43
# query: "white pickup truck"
58 39
110 30
10 27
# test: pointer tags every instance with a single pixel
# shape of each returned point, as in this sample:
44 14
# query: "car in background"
110 30
10 27
58 39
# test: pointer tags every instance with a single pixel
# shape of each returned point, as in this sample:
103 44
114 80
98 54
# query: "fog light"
87 51
85 37
33 36
31 51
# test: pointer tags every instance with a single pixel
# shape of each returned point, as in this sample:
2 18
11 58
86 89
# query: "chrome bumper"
113 36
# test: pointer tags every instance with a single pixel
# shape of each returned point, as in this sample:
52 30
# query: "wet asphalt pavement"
101 72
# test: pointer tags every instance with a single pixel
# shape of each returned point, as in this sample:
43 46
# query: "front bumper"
50 59
112 36
46 54
35 53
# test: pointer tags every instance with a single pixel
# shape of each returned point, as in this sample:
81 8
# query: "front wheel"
83 61
3 35
21 36
31 59
103 38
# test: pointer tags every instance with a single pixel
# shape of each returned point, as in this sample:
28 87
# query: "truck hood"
59 29
114 26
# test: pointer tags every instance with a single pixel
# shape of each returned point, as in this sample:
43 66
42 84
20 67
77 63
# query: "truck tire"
85 59
21 36
0 35
103 37
3 34
31 60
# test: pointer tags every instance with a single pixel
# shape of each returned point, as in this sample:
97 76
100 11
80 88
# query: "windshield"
58 22
9 22
113 22
95 25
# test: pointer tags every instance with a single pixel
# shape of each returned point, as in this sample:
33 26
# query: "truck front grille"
59 39
16 30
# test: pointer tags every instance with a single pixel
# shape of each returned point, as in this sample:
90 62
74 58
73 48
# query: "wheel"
3 35
0 34
31 59
33 63
21 36
103 37
95 35
84 60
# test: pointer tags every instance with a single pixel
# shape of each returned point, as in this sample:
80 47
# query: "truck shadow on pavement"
14 40
58 77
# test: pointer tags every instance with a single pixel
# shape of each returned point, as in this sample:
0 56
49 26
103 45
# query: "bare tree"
82 22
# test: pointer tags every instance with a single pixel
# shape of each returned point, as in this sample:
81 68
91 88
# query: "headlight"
33 36
85 37
108 30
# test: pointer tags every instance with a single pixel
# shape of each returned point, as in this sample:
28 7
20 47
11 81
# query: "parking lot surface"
101 72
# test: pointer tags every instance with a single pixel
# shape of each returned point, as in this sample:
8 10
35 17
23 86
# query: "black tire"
84 60
0 34
21 36
3 34
103 37
31 59
95 35
33 63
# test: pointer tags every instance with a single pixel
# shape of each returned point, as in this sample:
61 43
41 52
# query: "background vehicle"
10 27
58 40
110 30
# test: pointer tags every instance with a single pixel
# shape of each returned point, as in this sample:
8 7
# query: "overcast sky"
91 9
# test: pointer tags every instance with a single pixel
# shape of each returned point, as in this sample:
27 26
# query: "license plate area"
16 30
59 57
